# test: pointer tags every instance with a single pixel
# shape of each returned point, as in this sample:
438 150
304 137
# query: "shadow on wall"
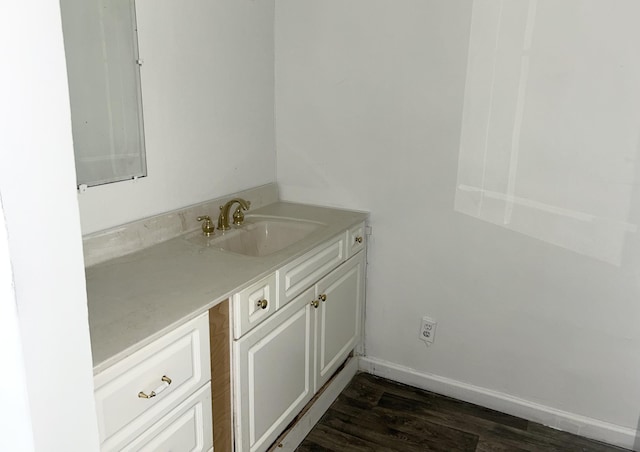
550 135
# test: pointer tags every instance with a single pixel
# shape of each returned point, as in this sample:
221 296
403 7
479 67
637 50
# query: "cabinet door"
341 294
273 372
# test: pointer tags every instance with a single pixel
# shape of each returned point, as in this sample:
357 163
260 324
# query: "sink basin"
260 236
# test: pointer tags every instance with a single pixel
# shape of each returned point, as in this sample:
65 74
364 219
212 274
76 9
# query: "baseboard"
561 420
297 433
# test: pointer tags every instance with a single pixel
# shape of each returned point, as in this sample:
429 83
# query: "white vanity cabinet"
159 398
283 362
270 350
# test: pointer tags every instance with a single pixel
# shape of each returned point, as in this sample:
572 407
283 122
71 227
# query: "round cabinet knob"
323 297
263 304
358 239
315 303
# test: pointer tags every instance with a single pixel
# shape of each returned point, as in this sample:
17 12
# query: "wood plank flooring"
374 414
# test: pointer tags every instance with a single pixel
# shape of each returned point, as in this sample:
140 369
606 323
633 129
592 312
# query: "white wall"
369 113
44 240
549 128
15 420
207 83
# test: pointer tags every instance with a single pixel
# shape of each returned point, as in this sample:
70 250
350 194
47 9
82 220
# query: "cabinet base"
311 414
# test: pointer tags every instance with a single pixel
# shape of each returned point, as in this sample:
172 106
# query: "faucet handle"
207 227
238 216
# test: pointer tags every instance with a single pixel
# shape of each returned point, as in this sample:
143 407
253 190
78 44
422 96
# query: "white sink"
259 235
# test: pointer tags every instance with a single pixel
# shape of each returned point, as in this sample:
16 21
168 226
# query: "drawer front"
356 239
181 357
253 305
306 270
188 428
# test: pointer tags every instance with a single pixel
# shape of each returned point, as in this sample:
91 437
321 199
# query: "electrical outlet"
427 330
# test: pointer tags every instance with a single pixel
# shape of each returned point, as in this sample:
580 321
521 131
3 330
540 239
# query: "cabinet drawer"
254 304
356 239
185 429
181 355
303 272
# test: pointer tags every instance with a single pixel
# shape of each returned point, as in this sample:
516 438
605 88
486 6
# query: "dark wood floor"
374 414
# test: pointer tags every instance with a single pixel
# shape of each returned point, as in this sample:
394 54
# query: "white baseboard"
308 420
561 420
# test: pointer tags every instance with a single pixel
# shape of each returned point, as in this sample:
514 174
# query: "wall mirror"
103 67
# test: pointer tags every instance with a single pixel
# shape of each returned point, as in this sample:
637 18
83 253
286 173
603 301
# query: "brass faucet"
238 216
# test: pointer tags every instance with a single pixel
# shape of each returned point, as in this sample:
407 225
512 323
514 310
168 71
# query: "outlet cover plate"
427 330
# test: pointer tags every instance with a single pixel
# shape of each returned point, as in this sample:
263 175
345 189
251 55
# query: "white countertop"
137 298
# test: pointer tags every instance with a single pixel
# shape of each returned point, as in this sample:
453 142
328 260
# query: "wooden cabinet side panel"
219 334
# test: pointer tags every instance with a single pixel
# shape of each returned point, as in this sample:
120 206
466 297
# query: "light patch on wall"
550 130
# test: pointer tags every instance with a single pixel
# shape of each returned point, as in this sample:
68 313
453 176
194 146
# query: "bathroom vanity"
194 319
282 358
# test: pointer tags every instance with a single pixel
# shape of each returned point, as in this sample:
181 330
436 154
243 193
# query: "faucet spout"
223 219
